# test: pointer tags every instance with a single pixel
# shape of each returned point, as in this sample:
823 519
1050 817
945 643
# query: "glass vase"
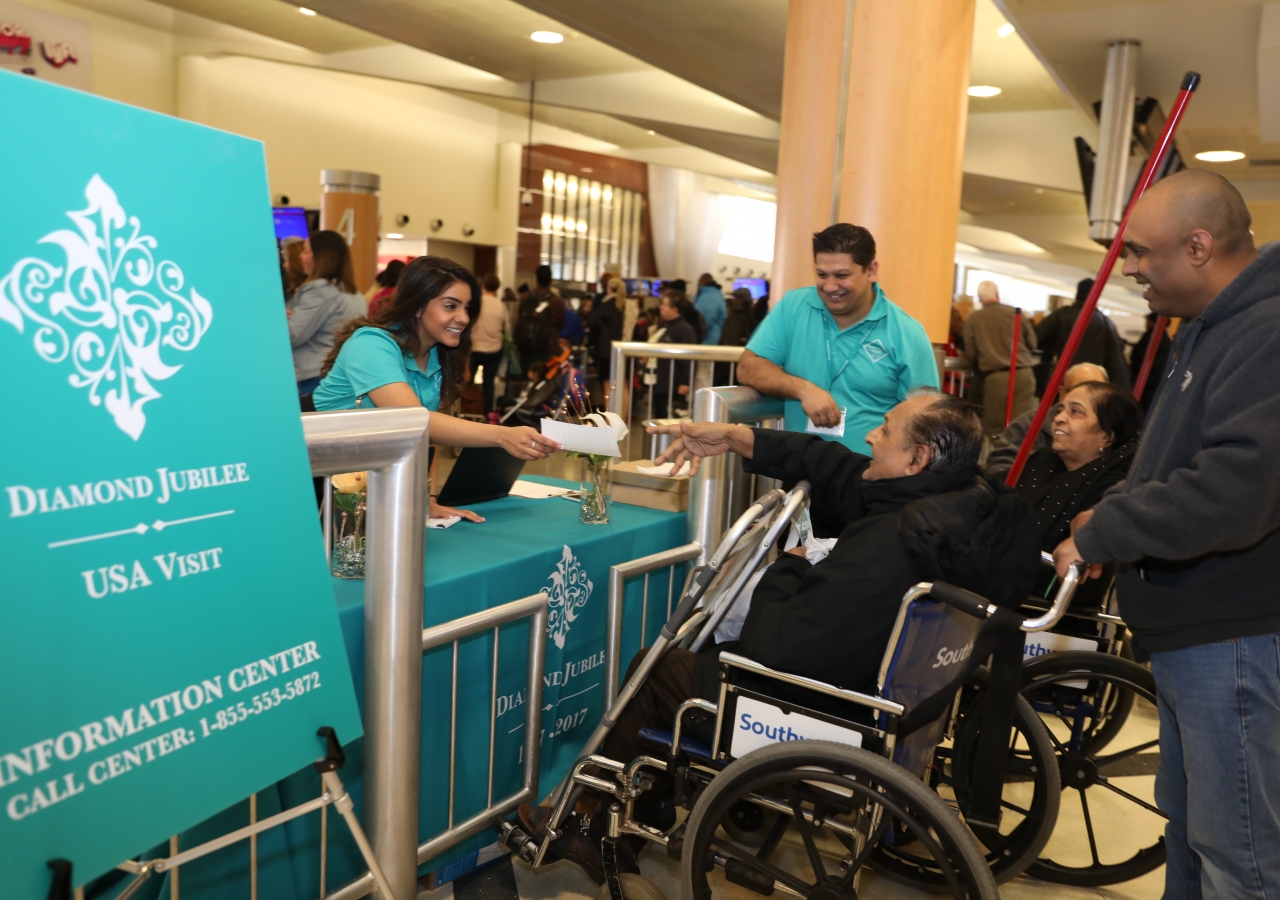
597 475
348 535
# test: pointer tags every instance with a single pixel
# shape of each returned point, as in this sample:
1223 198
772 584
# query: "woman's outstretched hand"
523 442
437 511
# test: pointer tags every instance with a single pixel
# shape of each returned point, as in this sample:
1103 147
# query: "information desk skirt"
525 546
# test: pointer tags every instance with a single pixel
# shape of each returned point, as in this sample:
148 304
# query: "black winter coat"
831 621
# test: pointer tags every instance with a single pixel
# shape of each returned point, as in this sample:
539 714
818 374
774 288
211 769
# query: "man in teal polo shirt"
841 353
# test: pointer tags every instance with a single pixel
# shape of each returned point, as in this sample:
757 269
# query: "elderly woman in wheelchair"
843 668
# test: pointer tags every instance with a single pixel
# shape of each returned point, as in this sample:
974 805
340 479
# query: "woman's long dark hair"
421 281
331 260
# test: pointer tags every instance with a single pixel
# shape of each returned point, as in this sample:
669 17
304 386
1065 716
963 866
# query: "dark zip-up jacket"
1198 518
832 620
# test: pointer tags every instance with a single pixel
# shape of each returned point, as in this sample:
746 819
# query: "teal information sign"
169 642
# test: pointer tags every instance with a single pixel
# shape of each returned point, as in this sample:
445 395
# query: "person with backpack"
539 319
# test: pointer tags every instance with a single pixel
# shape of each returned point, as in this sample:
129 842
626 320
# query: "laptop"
480 474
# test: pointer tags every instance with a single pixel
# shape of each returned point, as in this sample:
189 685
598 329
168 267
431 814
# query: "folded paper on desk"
582 438
532 490
664 469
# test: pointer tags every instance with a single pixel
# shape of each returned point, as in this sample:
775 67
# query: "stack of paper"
532 490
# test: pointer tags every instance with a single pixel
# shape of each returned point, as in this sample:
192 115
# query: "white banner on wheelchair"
1044 642
757 724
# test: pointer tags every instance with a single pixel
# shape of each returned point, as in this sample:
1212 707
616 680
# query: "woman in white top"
326 301
487 334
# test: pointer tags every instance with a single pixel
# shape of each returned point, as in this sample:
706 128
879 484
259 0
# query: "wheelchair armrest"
750 665
958 598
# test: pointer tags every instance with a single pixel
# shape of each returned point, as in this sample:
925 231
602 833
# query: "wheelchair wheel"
1029 801
1114 708
1076 693
837 803
634 887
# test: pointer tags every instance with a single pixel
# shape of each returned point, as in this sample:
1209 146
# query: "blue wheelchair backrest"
936 640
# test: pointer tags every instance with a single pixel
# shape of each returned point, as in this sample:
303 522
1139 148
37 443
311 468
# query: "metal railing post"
709 488
392 445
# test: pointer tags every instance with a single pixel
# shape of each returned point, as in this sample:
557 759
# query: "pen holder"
597 475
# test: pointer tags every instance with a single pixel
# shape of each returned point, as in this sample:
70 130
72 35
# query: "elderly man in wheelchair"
852 648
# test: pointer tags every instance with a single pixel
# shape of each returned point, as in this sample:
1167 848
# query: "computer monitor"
757 286
291 221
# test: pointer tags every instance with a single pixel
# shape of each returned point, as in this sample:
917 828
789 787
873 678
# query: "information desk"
525 546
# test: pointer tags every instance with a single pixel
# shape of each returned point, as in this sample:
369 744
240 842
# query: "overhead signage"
170 641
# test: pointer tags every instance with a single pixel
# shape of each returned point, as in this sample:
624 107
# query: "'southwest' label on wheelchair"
757 725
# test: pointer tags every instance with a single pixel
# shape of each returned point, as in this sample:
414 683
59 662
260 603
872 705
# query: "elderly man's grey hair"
951 427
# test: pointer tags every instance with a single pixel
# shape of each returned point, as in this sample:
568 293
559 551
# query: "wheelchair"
1086 696
790 796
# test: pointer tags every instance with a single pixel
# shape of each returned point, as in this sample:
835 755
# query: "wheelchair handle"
958 598
1066 591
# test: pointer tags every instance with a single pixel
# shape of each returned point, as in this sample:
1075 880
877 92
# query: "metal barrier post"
392 445
709 489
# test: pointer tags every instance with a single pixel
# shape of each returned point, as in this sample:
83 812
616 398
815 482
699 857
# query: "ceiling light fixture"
1006 29
395 237
1219 156
651 132
547 37
985 90
305 11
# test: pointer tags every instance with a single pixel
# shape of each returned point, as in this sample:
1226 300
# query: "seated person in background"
414 353
1095 435
1005 445
916 510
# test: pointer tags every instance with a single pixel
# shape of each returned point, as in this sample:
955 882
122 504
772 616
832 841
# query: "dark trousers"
490 362
654 705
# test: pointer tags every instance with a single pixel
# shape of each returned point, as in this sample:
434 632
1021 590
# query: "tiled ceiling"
489 34
730 47
283 22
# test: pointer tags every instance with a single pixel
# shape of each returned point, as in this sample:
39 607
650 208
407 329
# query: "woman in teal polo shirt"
413 352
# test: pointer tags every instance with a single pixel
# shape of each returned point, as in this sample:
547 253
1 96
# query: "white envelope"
834 430
582 438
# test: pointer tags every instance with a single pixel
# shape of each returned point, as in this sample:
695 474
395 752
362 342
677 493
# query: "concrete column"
193 88
904 151
507 214
349 206
812 99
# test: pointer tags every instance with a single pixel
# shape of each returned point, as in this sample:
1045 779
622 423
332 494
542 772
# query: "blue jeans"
308 385
1219 777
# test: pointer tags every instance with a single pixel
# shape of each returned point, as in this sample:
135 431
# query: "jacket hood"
981 537
1259 281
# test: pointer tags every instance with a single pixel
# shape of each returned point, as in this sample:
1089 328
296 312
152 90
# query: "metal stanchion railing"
533 608
711 490
618 576
955 374
622 372
392 445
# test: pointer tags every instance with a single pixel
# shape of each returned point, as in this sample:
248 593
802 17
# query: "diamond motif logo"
570 590
875 350
110 307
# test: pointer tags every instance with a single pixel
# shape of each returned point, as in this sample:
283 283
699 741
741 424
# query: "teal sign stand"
170 643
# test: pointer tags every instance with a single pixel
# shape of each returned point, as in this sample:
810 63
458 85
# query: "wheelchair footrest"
690 745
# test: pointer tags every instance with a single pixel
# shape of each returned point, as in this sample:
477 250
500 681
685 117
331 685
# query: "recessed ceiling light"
547 37
305 11
984 90
1219 156
1006 29
395 237
651 132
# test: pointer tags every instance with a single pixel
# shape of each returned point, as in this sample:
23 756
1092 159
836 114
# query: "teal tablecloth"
524 546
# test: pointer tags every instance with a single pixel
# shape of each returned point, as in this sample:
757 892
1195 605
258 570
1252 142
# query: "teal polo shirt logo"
117 313
875 350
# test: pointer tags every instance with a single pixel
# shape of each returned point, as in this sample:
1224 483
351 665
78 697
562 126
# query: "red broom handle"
1189 84
1149 358
1013 367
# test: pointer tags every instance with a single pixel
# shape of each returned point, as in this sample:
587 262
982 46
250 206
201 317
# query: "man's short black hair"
542 275
951 427
845 238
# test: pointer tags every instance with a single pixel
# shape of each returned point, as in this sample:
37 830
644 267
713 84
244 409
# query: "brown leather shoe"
579 840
